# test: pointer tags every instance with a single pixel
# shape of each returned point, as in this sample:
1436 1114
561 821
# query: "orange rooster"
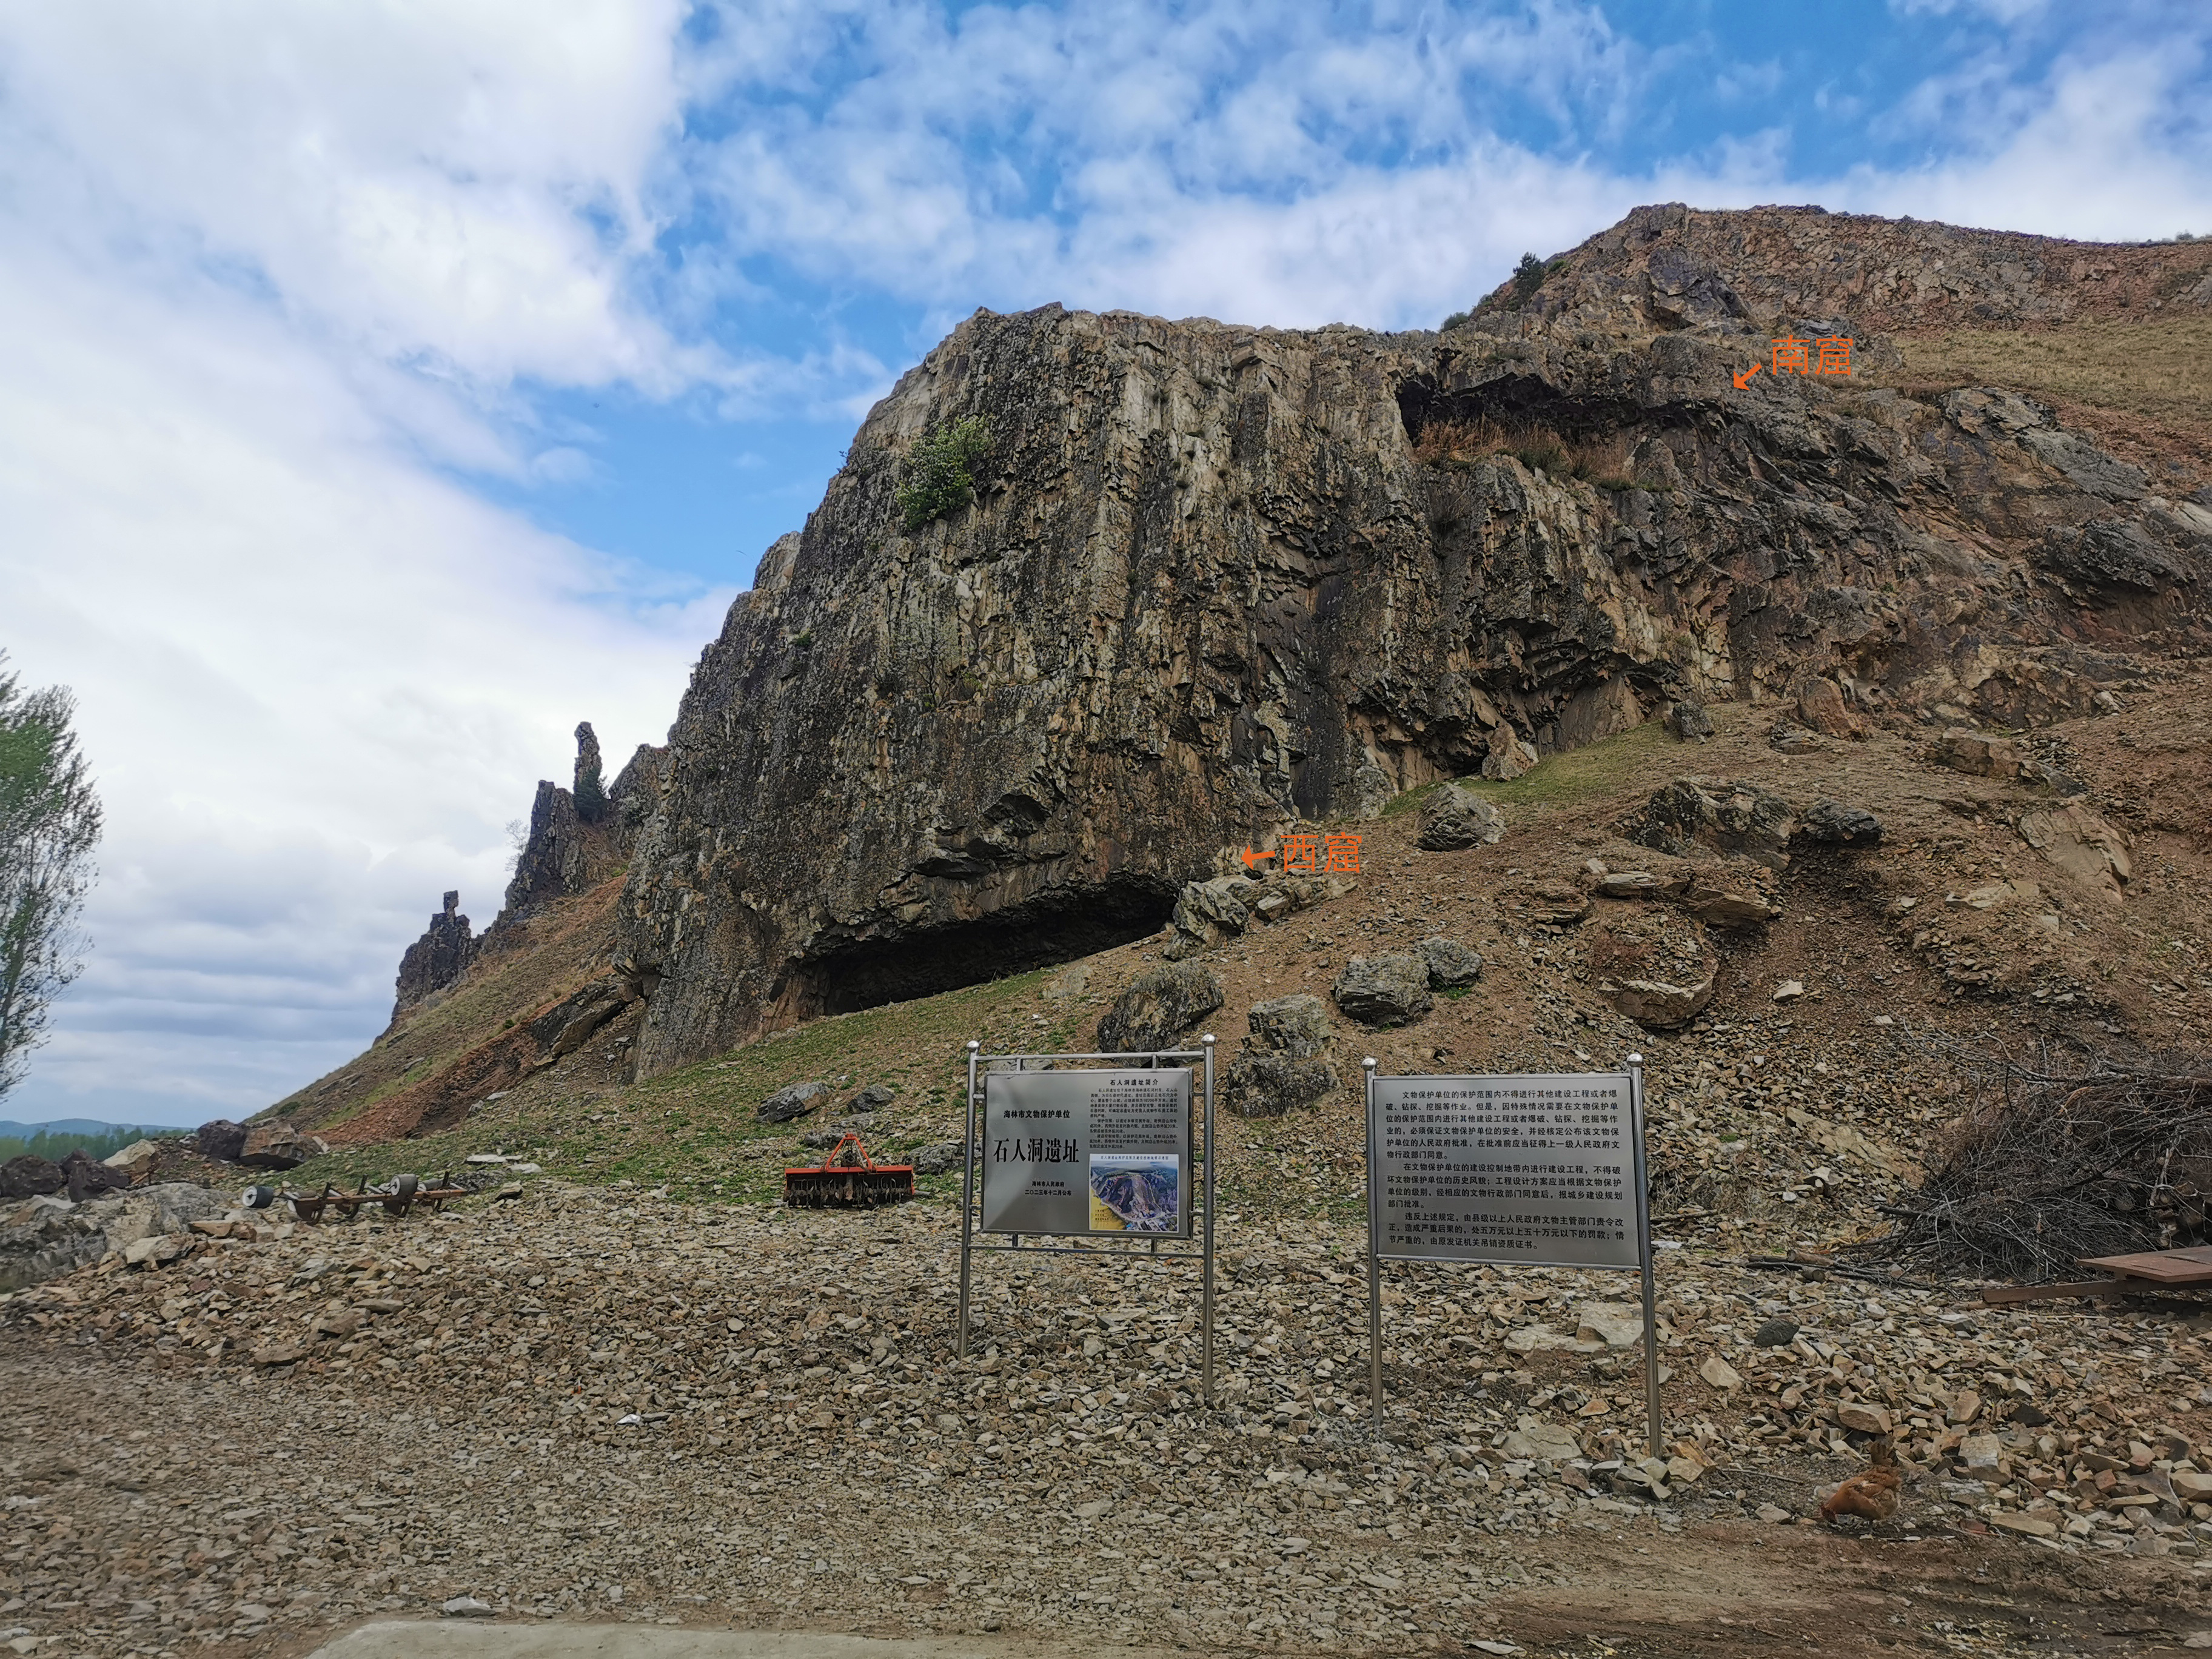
1872 1493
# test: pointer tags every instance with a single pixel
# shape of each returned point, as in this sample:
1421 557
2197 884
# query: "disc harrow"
847 1176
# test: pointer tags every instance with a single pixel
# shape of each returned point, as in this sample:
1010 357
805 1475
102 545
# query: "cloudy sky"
386 385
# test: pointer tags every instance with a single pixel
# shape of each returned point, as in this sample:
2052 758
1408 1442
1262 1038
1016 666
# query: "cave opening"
1055 926
1514 403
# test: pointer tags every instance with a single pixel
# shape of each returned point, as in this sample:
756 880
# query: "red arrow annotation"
1744 376
1252 858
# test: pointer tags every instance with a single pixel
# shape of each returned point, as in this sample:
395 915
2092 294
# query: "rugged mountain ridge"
1750 270
1214 579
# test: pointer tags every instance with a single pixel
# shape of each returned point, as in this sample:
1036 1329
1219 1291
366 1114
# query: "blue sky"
393 385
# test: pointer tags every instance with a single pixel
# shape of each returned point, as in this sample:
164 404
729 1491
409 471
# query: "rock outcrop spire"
436 960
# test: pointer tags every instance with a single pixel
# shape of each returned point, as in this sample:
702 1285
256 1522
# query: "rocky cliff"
435 960
1673 266
1213 579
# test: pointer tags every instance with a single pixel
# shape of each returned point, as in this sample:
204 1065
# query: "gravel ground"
606 1403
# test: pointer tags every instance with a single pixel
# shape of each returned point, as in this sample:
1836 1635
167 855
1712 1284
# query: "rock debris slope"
1211 579
603 1404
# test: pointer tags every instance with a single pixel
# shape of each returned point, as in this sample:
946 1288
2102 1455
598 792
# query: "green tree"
1528 276
940 472
49 824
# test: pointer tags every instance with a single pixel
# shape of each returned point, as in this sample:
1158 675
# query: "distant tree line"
55 1147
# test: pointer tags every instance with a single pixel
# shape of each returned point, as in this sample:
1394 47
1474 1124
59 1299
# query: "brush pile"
2054 1163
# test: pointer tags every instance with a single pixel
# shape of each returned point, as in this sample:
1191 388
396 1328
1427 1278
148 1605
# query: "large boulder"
221 1140
1214 910
1285 1062
792 1101
1209 913
1388 989
1453 816
1984 756
84 1177
279 1147
1834 824
1820 706
50 1237
1688 720
1550 903
131 1156
1158 1008
1655 966
1295 1026
1450 964
1727 817
938 1156
1508 757
2081 844
30 1176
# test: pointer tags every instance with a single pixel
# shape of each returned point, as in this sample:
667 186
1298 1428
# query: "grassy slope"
561 950
1568 779
694 1130
2163 370
2141 389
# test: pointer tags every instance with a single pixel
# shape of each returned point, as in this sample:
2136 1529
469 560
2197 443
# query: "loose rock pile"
600 1401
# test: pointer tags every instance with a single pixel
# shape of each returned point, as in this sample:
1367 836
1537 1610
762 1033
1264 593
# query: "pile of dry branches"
2053 1163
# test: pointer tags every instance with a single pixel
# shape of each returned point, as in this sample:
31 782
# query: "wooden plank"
2191 1266
2053 1292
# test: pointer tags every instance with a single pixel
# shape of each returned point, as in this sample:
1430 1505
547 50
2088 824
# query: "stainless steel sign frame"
1108 1155
1540 1170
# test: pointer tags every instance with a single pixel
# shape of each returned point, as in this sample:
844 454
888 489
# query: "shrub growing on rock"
939 473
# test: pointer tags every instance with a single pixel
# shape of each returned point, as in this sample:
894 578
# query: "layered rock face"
1215 579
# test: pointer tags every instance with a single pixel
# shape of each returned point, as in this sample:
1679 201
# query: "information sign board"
1087 1152
1539 1170
1542 1169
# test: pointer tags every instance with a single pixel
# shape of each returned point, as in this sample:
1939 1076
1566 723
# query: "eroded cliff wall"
1216 578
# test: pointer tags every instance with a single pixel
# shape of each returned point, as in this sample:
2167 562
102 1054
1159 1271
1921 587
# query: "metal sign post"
1534 1170
1101 1154
1655 1432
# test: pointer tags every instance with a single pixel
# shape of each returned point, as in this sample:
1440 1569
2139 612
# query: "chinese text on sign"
1534 1170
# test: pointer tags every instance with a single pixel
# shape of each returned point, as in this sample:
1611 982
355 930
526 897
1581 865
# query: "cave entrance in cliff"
1050 929
1517 402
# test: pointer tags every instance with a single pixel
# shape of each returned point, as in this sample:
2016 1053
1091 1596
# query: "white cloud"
315 677
459 183
271 275
2114 144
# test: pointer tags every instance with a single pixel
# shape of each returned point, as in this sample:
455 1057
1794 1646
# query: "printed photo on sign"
1136 1193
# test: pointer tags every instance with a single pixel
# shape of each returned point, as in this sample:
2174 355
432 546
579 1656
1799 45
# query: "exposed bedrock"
1213 579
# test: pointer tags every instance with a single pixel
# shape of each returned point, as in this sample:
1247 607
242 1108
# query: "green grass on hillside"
1567 779
694 1130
